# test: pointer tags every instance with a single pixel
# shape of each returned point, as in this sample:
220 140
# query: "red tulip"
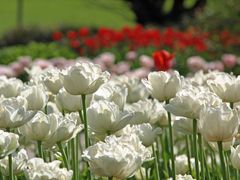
163 60
57 35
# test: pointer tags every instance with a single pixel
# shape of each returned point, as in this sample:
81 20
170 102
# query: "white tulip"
40 128
235 157
37 169
158 114
51 80
13 112
83 78
147 111
136 90
146 133
19 162
66 129
218 123
184 177
8 143
181 164
112 92
10 87
116 157
105 118
141 111
36 96
70 103
226 86
183 125
163 85
190 100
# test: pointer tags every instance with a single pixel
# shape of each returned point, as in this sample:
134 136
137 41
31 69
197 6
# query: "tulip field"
82 122
120 90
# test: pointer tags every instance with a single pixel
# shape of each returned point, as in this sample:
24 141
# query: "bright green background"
55 13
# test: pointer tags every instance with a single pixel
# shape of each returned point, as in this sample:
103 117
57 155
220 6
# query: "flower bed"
82 122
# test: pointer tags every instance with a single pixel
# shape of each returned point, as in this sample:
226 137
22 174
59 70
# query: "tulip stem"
64 156
171 144
206 165
76 151
73 158
188 155
220 149
231 105
85 120
156 163
195 148
40 151
201 156
164 156
11 177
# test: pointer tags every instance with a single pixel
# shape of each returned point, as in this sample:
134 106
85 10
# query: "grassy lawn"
54 13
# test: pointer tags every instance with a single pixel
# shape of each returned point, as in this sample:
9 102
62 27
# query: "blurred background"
57 28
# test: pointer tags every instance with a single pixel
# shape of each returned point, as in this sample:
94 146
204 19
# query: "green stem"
156 163
85 120
165 160
188 155
206 166
195 148
40 151
231 105
236 174
220 149
201 156
64 156
171 144
11 177
110 178
73 159
227 162
146 173
77 151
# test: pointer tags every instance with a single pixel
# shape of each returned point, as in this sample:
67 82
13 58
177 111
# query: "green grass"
56 13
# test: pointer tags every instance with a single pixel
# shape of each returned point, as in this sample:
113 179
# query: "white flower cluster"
80 119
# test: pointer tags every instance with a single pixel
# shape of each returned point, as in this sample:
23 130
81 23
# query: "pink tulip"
107 58
196 63
215 65
7 71
25 61
146 61
42 63
120 68
17 68
131 56
229 60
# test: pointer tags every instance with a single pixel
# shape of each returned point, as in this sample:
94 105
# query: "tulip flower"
36 96
116 157
19 162
38 169
51 80
163 60
83 78
8 144
105 118
10 87
162 85
235 157
112 92
218 123
226 86
136 90
70 103
14 112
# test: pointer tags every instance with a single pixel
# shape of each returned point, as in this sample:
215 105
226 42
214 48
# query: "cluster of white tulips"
80 123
